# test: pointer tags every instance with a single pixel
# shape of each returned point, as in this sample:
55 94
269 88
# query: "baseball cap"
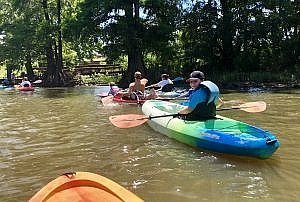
196 75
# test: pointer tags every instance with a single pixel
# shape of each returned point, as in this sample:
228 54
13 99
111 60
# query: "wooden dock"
91 68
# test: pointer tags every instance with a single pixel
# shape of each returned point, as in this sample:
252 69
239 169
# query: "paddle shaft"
166 99
230 108
161 116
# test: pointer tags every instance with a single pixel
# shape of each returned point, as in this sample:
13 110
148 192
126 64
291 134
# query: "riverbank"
233 81
258 86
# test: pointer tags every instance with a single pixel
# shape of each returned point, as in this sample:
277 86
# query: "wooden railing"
92 68
97 68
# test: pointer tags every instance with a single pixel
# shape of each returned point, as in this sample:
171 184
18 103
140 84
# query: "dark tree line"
153 36
242 36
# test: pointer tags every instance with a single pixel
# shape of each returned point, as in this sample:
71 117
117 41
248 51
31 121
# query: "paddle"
107 100
133 120
170 98
102 95
176 79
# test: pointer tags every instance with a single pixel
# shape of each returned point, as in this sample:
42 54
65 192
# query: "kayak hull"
25 88
83 186
7 87
222 135
118 98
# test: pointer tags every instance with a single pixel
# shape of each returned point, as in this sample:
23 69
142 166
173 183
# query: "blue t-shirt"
195 97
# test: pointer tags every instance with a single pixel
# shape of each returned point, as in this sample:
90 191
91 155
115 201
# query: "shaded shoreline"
227 87
255 86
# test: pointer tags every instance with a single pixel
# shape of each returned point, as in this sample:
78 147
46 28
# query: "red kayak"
118 98
30 88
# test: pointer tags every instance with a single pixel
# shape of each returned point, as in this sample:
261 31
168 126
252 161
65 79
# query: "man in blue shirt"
202 99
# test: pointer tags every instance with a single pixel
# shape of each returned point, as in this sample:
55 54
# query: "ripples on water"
53 131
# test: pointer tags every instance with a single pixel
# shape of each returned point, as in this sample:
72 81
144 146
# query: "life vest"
205 110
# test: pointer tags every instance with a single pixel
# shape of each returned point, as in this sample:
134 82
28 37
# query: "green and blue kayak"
222 134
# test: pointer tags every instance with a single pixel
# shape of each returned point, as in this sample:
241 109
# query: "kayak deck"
83 186
118 98
221 134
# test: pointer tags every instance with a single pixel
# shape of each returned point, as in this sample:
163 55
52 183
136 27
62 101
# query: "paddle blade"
253 107
144 81
37 81
102 95
107 100
128 120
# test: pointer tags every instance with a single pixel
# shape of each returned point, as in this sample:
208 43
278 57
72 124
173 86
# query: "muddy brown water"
54 131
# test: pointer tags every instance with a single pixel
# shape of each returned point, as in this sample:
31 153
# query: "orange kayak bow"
84 186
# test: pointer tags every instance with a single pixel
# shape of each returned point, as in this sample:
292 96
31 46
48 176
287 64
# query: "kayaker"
113 89
164 81
202 99
25 82
5 82
136 90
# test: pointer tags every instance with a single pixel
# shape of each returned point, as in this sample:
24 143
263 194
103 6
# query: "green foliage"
131 28
165 36
95 79
265 36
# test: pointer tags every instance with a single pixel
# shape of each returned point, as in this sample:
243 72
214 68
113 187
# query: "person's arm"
151 86
160 84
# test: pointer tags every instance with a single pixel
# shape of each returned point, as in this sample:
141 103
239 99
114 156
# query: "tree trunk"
54 76
8 72
49 50
29 69
227 36
135 56
59 40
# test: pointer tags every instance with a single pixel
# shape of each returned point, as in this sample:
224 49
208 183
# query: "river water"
54 131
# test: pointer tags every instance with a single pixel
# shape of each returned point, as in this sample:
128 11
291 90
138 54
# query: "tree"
35 35
130 28
54 75
19 45
241 36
